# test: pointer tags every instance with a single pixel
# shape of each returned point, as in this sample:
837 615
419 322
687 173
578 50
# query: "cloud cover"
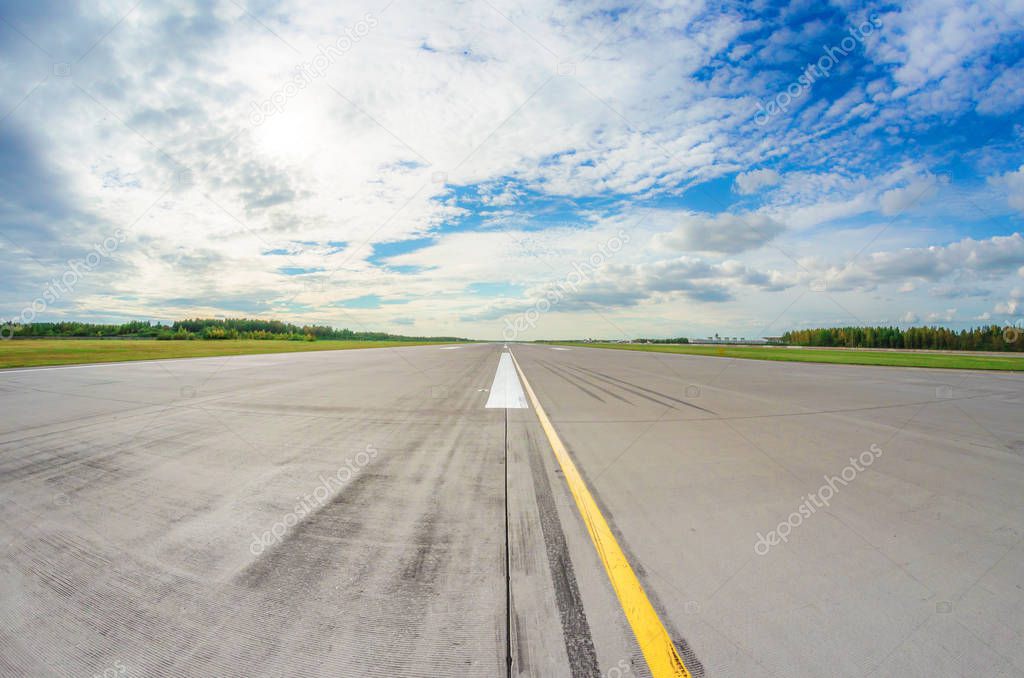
502 142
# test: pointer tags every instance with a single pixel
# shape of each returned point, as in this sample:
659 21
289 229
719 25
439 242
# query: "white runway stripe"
506 391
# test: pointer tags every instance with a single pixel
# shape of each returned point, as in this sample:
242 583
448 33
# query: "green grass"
965 361
36 352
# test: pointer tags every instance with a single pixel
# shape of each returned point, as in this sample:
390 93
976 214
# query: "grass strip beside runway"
964 361
39 352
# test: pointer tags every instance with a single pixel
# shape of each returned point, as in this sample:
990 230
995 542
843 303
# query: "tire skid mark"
594 385
310 544
431 547
661 649
637 393
395 602
579 644
571 381
387 578
605 377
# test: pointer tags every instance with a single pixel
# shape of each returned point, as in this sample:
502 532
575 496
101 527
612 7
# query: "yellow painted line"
660 652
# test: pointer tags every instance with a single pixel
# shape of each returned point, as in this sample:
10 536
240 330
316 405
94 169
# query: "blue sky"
529 169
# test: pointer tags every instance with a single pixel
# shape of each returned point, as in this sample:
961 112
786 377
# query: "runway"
402 512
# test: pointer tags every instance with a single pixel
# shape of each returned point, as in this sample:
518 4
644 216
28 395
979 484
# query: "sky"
514 169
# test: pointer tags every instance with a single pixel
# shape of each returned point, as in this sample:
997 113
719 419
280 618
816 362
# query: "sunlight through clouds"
234 143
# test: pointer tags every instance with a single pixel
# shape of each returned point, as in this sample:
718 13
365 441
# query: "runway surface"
365 513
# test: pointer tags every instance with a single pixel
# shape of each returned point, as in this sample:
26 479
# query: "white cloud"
1013 184
991 258
1005 94
942 316
936 49
435 104
898 200
754 181
806 199
728 233
1013 306
615 285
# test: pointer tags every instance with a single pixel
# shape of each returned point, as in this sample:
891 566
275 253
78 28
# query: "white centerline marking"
450 348
506 391
559 348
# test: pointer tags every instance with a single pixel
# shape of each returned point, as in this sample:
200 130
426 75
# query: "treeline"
677 340
991 338
203 328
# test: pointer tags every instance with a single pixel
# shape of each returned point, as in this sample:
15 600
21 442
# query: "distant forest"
204 328
991 338
677 340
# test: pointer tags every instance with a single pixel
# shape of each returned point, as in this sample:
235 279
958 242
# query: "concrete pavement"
364 513
258 515
914 567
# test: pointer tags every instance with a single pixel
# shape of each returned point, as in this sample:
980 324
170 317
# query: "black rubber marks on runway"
579 645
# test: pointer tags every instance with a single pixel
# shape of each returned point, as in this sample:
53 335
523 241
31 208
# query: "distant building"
737 341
